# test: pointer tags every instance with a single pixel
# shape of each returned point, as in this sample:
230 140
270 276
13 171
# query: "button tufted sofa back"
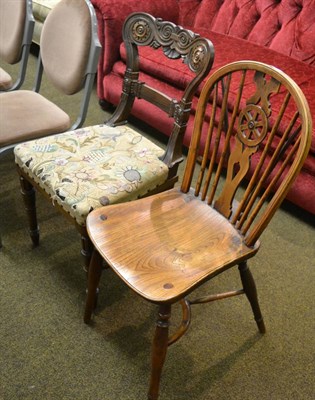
286 26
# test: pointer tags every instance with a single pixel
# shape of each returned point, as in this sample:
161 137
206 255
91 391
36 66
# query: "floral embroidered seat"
91 167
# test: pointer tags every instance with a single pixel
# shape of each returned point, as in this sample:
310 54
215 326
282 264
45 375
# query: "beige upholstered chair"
167 245
110 163
16 31
69 52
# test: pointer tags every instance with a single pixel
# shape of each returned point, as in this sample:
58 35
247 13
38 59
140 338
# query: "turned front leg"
159 349
86 250
251 293
29 198
94 276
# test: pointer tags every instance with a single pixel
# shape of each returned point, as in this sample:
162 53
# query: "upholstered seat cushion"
44 117
5 80
94 166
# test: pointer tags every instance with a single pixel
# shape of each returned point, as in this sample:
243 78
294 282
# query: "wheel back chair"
165 246
110 163
16 32
69 52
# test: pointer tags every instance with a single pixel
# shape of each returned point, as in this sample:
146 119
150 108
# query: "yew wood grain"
165 245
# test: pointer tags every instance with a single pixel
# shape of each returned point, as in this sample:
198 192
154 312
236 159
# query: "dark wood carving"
141 29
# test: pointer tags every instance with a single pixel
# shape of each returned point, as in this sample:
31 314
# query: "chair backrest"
69 49
141 29
252 134
16 31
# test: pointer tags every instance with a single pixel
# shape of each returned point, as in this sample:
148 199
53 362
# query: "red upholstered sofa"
278 32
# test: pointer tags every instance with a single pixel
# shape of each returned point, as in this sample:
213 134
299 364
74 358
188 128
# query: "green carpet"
48 353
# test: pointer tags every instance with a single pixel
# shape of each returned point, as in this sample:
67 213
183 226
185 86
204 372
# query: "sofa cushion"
286 26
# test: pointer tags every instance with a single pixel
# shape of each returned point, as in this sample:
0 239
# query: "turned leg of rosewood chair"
86 249
251 293
29 198
94 272
159 349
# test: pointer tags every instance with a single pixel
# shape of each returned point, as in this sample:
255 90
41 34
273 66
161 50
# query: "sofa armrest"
111 15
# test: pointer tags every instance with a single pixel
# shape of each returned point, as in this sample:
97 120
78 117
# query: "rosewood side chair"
69 53
16 32
111 163
249 117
